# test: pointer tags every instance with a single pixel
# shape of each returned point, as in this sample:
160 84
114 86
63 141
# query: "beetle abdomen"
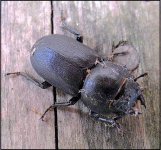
61 60
56 70
72 50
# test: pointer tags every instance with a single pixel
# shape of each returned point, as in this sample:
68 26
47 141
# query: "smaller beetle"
105 85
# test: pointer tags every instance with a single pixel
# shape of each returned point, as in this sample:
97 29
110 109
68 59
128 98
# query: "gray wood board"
101 23
23 103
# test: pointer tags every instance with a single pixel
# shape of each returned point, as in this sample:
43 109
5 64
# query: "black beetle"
104 86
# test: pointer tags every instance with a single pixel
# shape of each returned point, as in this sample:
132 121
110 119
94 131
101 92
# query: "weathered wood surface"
22 102
100 23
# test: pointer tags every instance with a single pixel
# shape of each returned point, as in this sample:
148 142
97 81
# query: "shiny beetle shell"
102 85
62 61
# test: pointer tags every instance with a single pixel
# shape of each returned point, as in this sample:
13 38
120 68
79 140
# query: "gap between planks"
54 88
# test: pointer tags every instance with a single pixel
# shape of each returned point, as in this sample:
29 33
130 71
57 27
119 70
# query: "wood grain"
22 102
101 23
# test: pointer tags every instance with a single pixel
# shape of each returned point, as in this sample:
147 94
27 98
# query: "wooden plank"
22 102
101 23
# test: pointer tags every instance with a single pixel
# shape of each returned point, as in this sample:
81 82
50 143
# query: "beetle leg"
118 117
121 43
72 101
101 62
109 122
142 75
79 38
43 85
141 98
110 58
124 53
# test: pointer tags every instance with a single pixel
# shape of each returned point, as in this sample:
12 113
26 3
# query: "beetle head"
128 97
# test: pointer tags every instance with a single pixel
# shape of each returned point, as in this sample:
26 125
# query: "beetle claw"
13 73
119 128
42 118
81 90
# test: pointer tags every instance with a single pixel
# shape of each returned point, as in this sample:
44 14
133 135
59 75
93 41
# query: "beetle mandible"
103 84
